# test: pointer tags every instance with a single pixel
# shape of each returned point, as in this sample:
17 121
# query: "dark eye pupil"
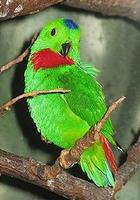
53 32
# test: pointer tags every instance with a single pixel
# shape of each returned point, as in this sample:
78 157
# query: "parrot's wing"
86 99
88 68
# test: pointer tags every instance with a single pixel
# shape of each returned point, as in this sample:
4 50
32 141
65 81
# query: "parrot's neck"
46 75
47 57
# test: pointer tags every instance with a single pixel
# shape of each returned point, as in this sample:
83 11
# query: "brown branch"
13 8
123 8
128 169
7 105
19 58
64 184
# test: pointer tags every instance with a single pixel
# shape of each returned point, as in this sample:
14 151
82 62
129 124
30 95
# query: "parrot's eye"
53 31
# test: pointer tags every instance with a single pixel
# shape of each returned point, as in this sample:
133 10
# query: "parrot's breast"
53 117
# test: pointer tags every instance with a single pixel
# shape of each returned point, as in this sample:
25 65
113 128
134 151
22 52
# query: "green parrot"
55 62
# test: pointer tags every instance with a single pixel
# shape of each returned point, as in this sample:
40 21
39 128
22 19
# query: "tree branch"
64 184
13 8
123 8
128 169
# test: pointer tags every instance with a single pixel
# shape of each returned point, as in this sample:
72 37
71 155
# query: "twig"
19 58
64 184
69 157
7 106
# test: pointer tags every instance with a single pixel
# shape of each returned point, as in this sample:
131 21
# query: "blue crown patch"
70 24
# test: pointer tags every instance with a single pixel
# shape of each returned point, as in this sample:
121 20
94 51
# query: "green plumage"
64 118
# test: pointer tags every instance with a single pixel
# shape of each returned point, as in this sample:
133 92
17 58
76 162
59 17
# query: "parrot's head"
57 44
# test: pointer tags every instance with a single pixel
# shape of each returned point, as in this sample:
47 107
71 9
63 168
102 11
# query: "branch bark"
128 169
123 8
65 184
13 8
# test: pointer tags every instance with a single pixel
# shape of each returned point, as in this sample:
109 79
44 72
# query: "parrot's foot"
66 159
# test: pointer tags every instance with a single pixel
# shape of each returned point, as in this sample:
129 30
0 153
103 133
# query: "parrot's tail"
98 161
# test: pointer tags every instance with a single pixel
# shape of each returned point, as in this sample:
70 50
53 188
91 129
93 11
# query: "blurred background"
110 44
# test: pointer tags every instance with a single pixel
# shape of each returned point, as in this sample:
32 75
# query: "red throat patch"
47 58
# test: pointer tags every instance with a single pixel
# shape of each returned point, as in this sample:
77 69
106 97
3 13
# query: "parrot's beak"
65 49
